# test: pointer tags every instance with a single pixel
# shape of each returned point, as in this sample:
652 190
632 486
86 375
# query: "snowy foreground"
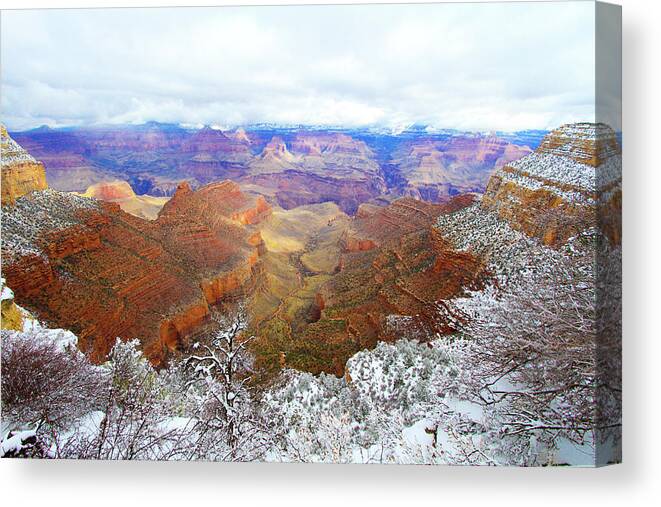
403 404
503 391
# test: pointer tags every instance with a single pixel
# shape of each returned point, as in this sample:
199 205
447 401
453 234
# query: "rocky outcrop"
374 226
211 144
116 190
353 244
275 158
120 192
253 214
21 173
225 199
85 265
10 315
240 136
587 143
570 183
294 188
329 145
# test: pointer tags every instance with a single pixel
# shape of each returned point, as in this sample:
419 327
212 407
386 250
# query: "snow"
420 437
569 453
38 213
509 253
16 442
585 131
388 412
88 425
515 261
557 168
11 153
63 338
554 167
6 294
541 168
580 138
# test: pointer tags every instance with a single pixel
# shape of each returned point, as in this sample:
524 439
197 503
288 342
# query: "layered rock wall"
21 173
570 183
87 266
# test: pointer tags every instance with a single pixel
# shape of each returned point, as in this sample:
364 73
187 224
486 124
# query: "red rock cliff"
87 266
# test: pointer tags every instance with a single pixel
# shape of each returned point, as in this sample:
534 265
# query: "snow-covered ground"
37 213
518 263
12 153
6 293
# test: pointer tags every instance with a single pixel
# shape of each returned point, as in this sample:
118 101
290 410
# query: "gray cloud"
472 66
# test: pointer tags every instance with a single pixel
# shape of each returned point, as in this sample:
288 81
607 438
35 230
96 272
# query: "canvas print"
342 234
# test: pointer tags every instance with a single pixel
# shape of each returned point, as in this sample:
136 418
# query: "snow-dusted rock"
21 173
570 183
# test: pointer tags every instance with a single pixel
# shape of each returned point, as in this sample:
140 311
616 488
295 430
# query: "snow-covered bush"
46 382
57 404
537 335
383 411
219 376
143 415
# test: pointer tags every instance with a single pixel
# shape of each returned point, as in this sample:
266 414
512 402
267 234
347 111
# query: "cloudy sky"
468 66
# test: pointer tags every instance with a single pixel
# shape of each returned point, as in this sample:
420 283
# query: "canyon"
290 166
434 169
392 269
334 243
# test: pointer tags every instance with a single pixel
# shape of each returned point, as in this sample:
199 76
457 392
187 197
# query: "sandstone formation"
21 173
374 225
120 192
275 158
570 183
214 203
587 143
241 136
86 265
212 144
315 168
291 189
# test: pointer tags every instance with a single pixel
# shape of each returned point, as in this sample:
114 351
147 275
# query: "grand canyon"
331 242
325 234
320 234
